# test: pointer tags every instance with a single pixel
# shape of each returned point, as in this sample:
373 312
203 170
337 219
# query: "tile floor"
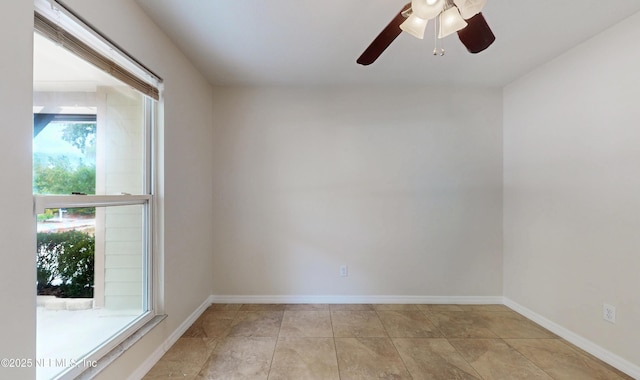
305 342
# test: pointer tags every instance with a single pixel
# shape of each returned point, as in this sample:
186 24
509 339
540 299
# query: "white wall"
17 225
402 185
572 189
187 178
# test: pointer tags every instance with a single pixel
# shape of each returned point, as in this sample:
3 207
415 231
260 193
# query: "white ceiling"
311 42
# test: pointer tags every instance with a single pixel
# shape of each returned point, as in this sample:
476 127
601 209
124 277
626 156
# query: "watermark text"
47 363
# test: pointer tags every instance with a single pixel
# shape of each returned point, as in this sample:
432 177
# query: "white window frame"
43 202
106 353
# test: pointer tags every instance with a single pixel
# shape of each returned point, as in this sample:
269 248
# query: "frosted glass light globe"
415 26
450 22
469 8
427 9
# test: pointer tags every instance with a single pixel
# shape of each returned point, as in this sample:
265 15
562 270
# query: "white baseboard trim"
164 347
337 299
583 343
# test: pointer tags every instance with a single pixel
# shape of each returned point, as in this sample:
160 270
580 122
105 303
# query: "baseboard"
164 347
336 299
581 342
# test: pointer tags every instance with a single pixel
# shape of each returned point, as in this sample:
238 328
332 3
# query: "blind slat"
86 52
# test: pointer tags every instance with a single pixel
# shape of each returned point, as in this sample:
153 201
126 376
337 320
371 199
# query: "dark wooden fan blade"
477 36
384 39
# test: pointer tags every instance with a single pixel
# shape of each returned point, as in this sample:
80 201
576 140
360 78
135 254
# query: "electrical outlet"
609 313
344 271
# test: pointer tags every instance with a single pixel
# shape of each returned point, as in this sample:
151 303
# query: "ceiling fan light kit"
450 22
427 9
461 16
469 8
415 26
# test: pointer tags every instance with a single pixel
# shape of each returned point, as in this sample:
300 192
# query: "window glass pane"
64 157
91 136
120 151
91 279
89 129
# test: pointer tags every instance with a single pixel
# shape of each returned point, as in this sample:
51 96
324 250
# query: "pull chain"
435 38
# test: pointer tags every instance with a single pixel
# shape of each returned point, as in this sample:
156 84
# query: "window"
93 186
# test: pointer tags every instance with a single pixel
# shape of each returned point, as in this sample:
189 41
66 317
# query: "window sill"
121 348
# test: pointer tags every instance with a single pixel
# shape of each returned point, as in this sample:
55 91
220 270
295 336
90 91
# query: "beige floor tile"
351 307
369 358
225 307
196 330
489 307
304 358
307 307
441 307
306 324
263 307
221 314
583 352
190 349
494 359
214 322
184 359
256 323
509 324
222 311
433 359
455 324
226 342
408 324
240 358
214 327
393 306
348 324
561 361
161 373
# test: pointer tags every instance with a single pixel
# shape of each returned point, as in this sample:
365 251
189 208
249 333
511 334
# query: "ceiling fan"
461 16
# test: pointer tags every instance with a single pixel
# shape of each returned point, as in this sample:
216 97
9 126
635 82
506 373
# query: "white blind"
146 83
